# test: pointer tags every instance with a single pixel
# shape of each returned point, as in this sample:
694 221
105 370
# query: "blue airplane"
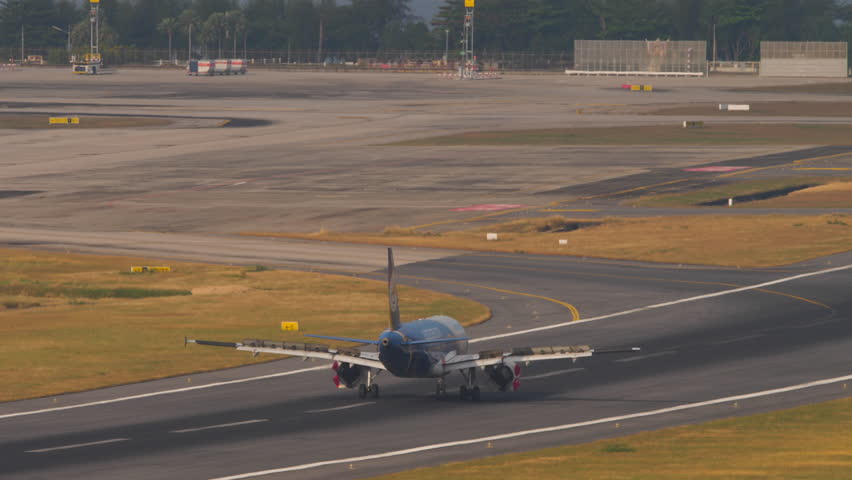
431 347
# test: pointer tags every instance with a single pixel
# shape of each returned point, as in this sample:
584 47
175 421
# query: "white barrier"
491 236
8 66
734 107
605 73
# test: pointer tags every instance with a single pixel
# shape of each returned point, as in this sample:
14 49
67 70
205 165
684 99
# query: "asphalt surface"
313 163
698 350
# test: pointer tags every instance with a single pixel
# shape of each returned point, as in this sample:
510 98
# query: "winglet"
393 296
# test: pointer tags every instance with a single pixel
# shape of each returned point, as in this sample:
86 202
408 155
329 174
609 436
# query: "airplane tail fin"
393 297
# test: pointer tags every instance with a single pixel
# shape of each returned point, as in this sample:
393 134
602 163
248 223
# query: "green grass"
810 442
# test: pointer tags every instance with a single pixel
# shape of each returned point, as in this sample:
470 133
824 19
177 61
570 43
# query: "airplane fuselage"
417 361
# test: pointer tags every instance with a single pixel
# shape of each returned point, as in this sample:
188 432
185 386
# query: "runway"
316 161
701 349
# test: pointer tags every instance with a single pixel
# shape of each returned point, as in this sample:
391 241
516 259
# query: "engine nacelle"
504 375
347 374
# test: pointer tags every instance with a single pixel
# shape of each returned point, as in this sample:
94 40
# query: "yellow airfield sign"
290 326
469 3
64 120
148 268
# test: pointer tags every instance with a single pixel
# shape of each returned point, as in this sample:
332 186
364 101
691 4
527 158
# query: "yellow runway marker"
835 169
477 218
575 314
554 210
603 195
646 279
797 162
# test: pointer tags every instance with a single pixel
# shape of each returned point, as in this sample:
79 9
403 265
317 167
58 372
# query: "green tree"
168 26
214 27
189 21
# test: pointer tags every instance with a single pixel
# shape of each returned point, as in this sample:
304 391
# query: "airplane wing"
303 350
523 355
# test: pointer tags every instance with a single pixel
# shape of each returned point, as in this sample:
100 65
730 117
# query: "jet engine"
346 374
504 375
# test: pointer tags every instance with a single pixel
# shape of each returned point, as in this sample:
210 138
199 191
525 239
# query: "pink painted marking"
486 208
714 169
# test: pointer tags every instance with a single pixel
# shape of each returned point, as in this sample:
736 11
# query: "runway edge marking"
476 340
667 304
163 392
556 428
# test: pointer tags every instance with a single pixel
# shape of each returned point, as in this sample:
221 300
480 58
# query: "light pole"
446 44
67 33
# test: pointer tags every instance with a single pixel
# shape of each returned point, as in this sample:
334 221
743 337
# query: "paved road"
784 334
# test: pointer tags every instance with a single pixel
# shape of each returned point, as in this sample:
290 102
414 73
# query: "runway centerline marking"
345 407
78 445
221 425
666 304
643 357
163 392
523 433
553 374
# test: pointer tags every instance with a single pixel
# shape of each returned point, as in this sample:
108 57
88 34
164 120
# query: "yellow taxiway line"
629 277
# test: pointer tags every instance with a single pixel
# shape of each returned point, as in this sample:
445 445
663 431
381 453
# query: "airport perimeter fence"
640 56
405 60
804 59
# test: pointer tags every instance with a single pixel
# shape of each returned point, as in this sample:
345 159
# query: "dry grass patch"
33 122
66 343
731 190
746 241
800 443
831 195
674 134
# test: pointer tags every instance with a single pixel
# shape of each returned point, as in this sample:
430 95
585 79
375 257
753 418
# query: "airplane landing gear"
441 388
368 387
469 390
363 390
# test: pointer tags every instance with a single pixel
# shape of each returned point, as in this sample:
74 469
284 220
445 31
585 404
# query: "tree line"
227 26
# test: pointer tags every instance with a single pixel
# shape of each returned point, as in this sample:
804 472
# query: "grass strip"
737 240
801 443
710 134
67 341
40 122
732 190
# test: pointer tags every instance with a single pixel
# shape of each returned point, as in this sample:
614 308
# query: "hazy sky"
425 8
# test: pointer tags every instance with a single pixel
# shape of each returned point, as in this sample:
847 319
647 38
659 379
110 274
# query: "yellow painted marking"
223 123
797 162
629 277
549 210
474 219
837 169
150 269
615 261
575 314
634 189
290 326
63 120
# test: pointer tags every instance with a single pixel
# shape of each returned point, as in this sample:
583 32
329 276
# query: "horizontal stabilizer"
442 340
345 339
211 343
617 350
